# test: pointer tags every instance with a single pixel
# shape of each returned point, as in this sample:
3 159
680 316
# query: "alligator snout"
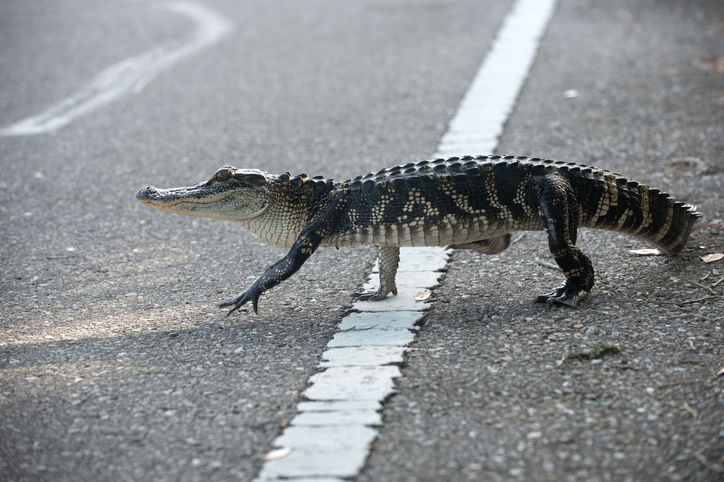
146 193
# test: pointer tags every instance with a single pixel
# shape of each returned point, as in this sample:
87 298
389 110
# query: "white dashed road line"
333 431
331 436
490 99
129 76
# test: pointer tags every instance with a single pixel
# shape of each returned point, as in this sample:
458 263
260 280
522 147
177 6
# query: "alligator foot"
239 300
389 262
380 294
566 294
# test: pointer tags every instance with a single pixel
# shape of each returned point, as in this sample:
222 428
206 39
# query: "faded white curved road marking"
129 76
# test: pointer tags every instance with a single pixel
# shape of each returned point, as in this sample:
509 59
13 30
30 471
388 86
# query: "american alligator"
465 203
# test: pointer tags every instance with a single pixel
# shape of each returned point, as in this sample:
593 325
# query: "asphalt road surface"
115 363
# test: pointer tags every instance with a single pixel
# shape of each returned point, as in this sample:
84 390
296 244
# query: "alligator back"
463 200
436 203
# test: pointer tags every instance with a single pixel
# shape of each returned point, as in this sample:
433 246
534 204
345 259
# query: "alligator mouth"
172 199
199 201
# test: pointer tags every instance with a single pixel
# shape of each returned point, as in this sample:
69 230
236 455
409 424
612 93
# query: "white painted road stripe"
331 436
490 99
129 76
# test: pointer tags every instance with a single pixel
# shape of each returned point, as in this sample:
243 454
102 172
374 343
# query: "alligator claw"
378 295
239 301
566 294
368 296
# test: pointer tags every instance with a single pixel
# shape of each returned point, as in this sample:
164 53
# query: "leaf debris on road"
598 349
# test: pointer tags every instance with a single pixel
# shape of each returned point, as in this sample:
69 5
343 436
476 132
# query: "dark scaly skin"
464 203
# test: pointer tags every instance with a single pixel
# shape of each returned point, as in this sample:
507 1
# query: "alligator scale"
465 203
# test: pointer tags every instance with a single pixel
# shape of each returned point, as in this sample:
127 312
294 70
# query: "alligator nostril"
146 192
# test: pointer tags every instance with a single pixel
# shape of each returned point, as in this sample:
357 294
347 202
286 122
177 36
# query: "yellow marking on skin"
682 229
378 210
645 212
463 203
624 217
520 196
505 213
678 239
667 223
450 219
613 190
430 210
603 203
414 196
491 191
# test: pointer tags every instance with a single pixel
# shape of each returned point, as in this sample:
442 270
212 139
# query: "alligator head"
233 194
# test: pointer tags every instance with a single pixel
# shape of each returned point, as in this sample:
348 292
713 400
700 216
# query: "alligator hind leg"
389 262
559 220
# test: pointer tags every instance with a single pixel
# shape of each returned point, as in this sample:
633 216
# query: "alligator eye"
223 176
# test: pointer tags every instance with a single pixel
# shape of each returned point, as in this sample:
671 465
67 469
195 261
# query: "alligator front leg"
389 262
305 245
559 220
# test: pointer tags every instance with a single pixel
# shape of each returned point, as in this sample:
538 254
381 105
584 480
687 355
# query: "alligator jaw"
210 201
177 200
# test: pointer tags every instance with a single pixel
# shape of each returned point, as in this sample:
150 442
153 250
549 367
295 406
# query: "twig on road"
714 294
701 285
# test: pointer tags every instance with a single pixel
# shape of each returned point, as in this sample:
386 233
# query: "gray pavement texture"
115 363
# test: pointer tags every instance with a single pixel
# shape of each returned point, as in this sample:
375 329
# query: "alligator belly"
444 232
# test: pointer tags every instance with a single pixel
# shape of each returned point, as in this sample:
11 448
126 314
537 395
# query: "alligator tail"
619 204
